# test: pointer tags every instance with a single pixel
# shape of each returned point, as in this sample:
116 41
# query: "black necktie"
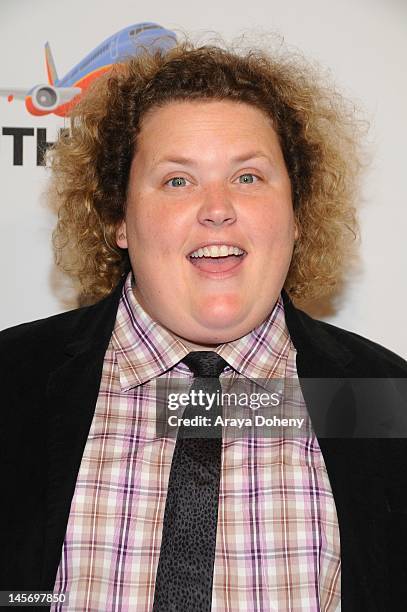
185 568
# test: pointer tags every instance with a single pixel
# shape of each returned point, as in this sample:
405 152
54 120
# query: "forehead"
220 122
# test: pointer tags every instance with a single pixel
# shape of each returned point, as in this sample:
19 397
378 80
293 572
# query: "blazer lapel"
71 398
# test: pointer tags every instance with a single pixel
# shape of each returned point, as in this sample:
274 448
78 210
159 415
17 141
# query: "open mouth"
220 264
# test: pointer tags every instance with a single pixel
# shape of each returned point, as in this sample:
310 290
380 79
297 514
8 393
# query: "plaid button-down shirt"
277 545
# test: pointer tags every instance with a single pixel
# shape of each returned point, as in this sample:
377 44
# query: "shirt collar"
145 350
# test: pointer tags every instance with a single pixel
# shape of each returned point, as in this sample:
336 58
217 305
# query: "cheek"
273 229
149 243
142 227
156 221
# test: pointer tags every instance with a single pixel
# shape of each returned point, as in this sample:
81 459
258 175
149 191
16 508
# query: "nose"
216 208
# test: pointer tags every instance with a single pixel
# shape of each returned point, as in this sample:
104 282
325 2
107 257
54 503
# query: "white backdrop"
363 42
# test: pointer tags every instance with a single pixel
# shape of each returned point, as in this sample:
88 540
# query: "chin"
220 312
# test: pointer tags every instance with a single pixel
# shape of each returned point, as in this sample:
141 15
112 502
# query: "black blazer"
51 372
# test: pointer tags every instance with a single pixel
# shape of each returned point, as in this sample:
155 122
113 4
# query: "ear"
121 235
296 231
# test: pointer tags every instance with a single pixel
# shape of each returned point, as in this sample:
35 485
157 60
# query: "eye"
176 181
248 178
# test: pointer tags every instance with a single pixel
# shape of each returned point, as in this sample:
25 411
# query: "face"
208 173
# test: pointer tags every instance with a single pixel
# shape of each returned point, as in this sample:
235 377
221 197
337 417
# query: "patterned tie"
187 555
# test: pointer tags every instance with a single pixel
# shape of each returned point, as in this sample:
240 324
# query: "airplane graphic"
58 96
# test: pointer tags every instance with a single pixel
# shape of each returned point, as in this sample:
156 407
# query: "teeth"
217 251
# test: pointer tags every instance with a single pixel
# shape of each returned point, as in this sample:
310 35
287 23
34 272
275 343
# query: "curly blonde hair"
318 130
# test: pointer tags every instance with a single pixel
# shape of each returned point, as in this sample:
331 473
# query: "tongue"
215 264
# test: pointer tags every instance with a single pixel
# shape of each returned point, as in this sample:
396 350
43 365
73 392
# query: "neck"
192 346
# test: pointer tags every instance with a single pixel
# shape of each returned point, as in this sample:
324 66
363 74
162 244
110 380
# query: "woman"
199 193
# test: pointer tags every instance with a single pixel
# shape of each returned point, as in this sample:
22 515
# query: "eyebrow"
190 162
